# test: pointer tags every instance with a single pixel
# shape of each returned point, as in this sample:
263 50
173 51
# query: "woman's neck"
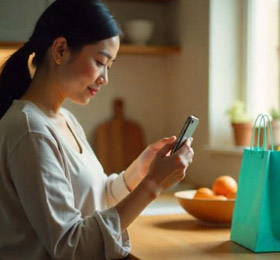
43 92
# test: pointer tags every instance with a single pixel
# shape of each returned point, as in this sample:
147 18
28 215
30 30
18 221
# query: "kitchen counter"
180 236
165 204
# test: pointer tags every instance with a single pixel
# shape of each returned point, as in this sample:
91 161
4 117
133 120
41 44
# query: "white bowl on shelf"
138 31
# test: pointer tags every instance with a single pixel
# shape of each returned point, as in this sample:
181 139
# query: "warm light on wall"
5 53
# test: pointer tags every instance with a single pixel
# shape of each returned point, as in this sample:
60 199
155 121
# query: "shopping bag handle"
270 131
262 118
254 131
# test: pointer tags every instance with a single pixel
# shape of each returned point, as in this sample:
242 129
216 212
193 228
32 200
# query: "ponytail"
14 78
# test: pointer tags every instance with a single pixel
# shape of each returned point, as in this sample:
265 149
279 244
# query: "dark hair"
81 22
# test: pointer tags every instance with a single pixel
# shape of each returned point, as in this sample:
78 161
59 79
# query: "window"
244 61
263 56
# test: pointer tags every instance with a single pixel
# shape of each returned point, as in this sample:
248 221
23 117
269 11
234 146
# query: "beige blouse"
55 203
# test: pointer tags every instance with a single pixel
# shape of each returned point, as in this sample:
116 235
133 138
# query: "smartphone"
186 132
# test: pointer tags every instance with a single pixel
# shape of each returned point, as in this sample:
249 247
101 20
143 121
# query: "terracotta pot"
242 133
276 131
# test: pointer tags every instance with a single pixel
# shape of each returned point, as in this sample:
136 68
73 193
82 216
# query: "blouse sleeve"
46 195
116 189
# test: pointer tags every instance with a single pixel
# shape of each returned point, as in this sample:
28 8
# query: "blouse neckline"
69 125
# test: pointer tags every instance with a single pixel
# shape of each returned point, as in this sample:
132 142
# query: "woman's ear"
31 66
59 50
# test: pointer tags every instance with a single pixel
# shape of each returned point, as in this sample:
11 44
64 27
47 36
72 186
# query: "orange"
224 185
204 193
219 197
231 195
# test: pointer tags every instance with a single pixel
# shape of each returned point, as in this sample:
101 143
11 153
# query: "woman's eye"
100 64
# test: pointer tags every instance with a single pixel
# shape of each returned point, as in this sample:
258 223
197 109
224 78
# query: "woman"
55 200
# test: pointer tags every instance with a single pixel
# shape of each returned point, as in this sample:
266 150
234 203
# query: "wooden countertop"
168 237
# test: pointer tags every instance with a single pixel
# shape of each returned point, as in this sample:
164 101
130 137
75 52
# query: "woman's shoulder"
23 117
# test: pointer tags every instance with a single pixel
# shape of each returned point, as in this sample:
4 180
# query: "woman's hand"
165 170
139 168
145 158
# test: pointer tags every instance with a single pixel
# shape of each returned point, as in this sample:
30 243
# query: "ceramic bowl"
138 31
206 210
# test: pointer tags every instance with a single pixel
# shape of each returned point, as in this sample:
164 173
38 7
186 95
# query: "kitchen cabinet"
18 18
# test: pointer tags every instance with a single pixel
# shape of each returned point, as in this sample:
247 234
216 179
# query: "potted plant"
241 123
275 115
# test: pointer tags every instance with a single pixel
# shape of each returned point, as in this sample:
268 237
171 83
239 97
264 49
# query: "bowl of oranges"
214 205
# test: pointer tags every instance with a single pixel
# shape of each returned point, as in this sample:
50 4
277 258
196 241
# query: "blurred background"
201 56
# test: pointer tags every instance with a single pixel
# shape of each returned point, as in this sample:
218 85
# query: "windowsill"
225 149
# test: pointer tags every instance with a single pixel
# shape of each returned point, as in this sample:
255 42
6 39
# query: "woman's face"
83 74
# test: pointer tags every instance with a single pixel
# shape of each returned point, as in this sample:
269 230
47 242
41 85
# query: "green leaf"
237 113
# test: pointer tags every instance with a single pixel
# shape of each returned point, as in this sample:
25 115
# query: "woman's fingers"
162 142
184 156
186 147
189 141
165 149
189 156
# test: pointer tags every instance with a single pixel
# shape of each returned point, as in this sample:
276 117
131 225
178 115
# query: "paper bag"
256 217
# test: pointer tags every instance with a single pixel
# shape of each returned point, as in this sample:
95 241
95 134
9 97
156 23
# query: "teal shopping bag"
256 216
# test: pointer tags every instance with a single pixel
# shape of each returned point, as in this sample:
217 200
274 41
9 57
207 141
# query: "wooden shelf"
128 49
152 1
148 49
10 45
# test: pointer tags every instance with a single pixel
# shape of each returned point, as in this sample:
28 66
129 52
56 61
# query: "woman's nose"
102 80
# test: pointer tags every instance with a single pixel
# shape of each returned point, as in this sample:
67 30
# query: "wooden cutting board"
118 141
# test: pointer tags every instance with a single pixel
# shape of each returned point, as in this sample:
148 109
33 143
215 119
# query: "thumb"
160 143
165 149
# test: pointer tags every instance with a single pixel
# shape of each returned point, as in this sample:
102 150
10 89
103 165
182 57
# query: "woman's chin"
81 102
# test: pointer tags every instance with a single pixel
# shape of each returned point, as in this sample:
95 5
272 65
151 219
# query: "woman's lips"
93 91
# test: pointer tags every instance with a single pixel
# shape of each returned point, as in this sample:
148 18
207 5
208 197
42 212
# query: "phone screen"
186 132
